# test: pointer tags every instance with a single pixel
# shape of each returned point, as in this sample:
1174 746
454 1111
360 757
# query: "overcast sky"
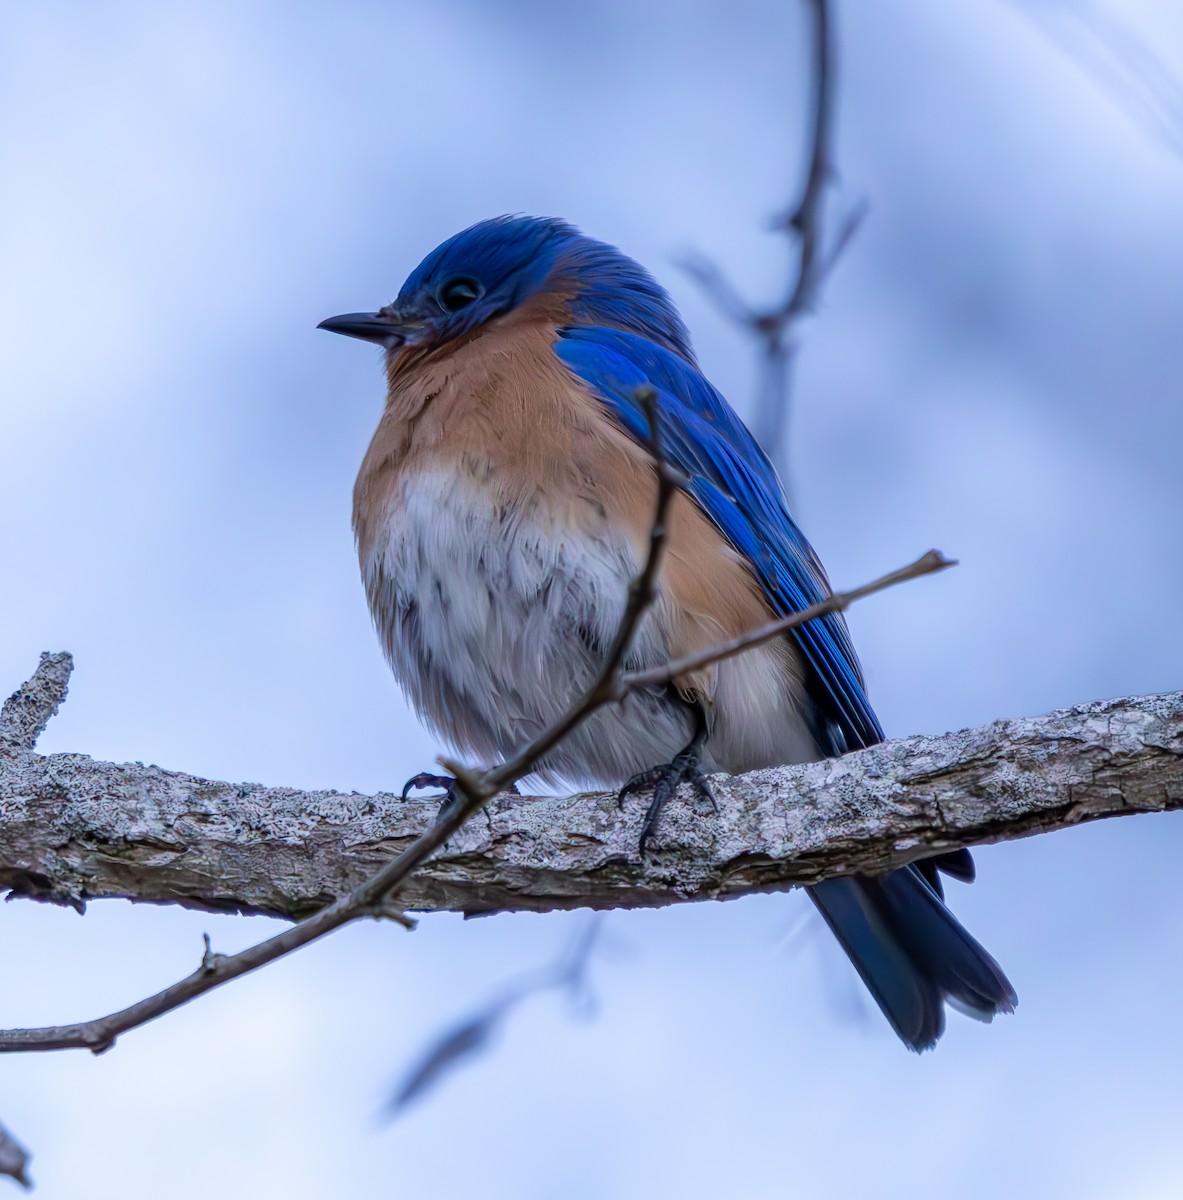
996 371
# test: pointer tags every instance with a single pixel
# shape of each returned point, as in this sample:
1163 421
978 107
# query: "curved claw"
641 780
426 780
682 768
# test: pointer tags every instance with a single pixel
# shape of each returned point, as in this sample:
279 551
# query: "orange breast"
519 435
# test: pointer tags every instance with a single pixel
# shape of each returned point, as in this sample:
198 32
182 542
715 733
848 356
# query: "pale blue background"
187 189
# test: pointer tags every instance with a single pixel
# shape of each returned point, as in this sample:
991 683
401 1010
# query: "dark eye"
456 293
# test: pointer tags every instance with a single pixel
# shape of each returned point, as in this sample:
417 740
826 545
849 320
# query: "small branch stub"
33 705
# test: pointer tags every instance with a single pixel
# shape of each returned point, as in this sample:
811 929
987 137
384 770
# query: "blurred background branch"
774 329
14 1159
474 1034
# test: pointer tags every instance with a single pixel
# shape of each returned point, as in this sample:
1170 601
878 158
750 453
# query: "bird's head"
494 268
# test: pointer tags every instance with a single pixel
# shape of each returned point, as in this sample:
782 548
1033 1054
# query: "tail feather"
958 864
912 953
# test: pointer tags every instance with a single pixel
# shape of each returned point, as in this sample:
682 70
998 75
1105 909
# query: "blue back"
734 483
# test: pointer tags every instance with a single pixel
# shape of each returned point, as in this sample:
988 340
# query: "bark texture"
73 829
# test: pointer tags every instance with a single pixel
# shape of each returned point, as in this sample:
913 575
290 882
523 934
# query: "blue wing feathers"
734 483
909 949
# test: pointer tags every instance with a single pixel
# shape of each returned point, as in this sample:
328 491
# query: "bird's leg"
682 768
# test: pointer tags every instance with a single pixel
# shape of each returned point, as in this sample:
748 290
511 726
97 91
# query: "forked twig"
23 718
374 896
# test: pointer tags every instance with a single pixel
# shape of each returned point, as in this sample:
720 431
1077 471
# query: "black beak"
370 327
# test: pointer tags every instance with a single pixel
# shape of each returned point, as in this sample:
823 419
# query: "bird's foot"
426 780
682 768
451 796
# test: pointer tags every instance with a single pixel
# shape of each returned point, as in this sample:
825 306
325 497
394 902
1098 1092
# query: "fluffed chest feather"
496 603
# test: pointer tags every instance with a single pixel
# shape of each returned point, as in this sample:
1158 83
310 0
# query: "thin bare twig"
373 897
640 596
927 564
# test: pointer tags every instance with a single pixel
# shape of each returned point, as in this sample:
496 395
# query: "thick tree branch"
72 828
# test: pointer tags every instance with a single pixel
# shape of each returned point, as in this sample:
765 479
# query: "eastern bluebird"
504 505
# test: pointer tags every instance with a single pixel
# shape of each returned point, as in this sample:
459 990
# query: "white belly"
494 623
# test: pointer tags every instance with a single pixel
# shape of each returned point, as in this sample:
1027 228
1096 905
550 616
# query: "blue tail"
911 951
